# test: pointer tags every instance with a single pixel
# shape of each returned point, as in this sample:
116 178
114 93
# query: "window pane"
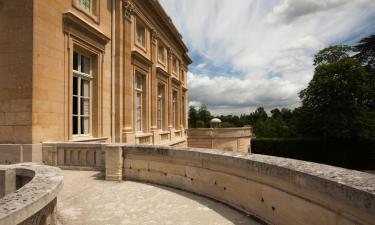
75 85
85 64
85 125
85 107
75 105
75 61
139 82
85 88
140 34
85 5
75 125
161 54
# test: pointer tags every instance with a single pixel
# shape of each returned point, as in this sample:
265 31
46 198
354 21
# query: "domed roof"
215 120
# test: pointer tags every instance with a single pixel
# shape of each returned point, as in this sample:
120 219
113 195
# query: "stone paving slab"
87 199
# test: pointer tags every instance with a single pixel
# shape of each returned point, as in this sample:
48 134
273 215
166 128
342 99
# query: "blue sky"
251 53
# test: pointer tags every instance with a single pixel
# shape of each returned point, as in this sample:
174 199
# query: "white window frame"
82 76
138 127
139 23
174 109
164 55
160 106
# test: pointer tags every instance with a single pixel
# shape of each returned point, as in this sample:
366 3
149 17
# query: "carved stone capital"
170 51
154 36
128 9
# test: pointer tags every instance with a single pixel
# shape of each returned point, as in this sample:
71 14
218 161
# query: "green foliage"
199 124
366 52
349 154
366 55
332 54
334 103
193 116
199 118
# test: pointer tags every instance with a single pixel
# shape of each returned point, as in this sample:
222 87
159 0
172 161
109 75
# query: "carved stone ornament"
154 36
170 51
128 9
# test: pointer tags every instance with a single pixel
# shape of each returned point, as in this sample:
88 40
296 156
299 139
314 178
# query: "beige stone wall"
52 73
36 82
134 59
276 190
16 63
232 139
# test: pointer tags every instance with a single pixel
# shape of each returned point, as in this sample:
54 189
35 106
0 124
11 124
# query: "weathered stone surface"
97 202
232 139
277 190
7 181
30 199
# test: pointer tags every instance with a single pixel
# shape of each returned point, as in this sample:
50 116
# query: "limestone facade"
83 70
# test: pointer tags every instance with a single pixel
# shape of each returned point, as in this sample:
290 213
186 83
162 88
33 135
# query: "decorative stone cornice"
154 36
128 9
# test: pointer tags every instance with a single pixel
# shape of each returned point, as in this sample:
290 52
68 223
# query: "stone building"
91 70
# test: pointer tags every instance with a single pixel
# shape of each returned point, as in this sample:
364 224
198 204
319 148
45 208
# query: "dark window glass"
75 85
75 125
85 64
75 61
75 105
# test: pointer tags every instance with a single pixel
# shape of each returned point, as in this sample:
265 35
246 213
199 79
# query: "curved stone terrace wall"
34 202
234 139
275 190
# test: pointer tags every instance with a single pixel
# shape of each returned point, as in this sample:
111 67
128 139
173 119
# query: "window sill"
138 135
88 139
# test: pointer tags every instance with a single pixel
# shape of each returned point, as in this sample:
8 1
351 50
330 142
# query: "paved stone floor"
87 199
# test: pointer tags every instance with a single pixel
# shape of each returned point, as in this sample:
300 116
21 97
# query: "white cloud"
269 43
290 10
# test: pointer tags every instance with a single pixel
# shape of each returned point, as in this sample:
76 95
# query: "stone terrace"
87 199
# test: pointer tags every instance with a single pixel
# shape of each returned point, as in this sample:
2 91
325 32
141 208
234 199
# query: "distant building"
74 70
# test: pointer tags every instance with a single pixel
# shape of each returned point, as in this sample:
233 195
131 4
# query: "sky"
259 53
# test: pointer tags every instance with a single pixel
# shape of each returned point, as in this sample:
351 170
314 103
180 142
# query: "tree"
204 115
332 54
193 115
366 55
366 52
334 99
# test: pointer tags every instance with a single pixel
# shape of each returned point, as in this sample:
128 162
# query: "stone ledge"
354 187
34 196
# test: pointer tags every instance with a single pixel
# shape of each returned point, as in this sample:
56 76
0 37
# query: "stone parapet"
275 190
34 201
74 155
233 139
19 153
113 162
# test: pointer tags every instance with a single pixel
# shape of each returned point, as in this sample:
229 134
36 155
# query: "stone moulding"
77 26
35 201
275 190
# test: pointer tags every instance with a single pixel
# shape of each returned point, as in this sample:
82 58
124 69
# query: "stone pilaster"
7 181
113 162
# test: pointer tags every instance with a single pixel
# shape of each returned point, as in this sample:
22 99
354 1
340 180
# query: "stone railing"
34 201
275 190
164 136
233 139
18 153
144 139
178 133
87 156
